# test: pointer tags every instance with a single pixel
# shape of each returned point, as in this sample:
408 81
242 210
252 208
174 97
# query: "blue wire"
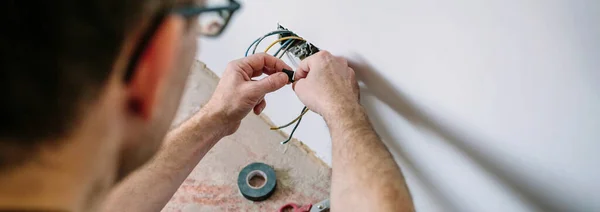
249 47
295 127
287 43
257 41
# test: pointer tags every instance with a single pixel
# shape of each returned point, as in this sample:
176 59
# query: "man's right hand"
326 85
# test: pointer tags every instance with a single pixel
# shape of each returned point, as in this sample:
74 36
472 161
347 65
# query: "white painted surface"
494 104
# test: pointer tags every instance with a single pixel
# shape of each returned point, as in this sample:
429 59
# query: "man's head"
65 85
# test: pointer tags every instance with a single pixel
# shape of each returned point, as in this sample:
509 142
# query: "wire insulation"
285 45
287 48
257 41
282 39
304 111
295 127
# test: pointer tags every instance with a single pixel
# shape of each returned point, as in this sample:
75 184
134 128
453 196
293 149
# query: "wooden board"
212 186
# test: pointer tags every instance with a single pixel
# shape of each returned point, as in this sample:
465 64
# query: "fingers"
306 64
320 58
296 83
266 70
271 83
260 107
257 64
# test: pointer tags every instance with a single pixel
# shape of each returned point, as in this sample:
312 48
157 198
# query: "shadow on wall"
384 91
402 155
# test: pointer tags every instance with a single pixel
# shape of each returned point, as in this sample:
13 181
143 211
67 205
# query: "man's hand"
326 85
237 94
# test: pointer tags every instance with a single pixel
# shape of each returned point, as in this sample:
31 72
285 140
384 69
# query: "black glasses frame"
187 12
194 11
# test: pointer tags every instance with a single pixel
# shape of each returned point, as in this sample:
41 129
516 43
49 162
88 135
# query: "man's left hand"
237 94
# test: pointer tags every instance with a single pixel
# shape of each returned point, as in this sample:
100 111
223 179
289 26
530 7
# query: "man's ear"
154 67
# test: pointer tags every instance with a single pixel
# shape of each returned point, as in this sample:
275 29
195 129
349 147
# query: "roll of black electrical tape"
257 193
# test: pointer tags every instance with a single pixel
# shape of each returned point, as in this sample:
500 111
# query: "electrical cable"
291 122
282 39
285 45
287 48
257 41
295 127
279 32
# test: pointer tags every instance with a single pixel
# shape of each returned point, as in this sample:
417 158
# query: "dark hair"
55 58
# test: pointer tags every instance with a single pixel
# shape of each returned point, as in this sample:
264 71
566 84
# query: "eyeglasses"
213 19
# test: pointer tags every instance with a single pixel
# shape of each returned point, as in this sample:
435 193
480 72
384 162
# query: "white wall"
487 105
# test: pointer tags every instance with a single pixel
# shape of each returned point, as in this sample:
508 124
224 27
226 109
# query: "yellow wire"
292 122
282 39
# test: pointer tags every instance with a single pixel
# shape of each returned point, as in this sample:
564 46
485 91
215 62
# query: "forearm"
151 187
365 175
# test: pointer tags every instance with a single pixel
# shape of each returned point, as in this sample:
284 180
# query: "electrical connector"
300 49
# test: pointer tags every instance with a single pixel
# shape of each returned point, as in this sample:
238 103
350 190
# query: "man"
91 87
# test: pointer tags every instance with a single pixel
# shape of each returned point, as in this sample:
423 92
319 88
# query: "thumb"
272 82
